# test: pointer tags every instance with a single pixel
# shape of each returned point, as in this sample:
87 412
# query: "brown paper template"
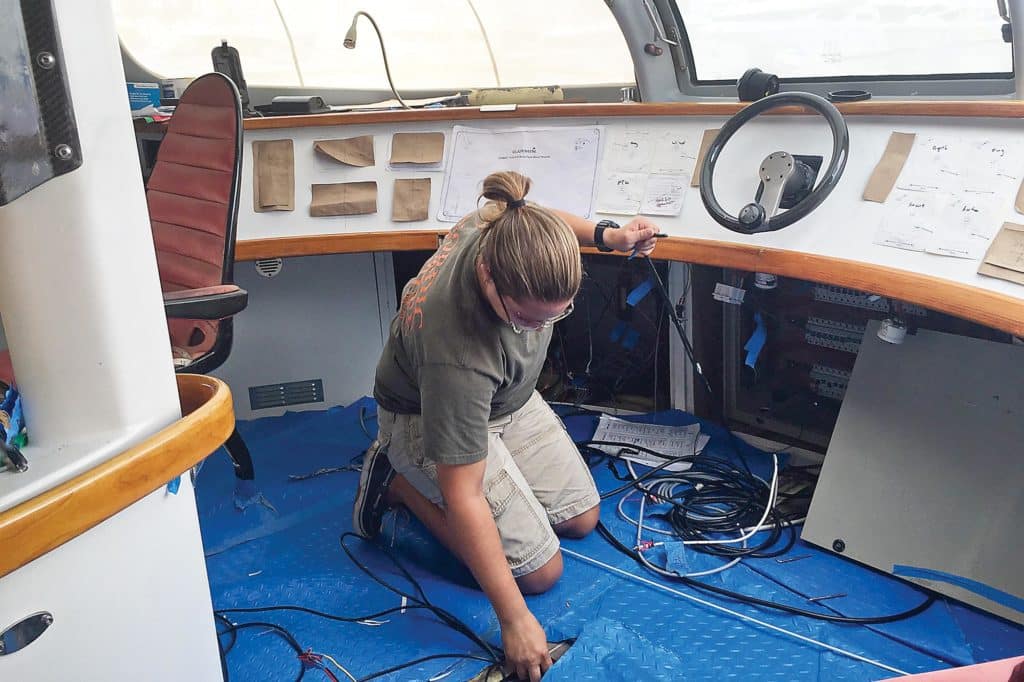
1005 256
705 142
417 147
1019 203
883 178
344 198
352 151
273 176
411 200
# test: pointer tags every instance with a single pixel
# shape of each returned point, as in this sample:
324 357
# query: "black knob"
752 216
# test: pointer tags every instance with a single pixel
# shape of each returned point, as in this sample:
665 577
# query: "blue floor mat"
625 630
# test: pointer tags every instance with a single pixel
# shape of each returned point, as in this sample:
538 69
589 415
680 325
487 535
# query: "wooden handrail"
47 521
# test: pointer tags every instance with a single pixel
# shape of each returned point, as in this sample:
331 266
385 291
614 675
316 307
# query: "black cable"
667 300
747 599
402 666
420 598
224 651
321 614
277 629
725 500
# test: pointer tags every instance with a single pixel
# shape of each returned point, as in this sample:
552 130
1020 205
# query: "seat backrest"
193 205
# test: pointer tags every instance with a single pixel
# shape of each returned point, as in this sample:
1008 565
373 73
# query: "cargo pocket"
521 521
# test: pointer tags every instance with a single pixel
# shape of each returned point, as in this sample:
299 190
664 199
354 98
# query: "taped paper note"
664 195
411 201
352 151
344 198
561 161
1005 256
674 154
628 151
423 149
705 142
273 175
883 179
621 193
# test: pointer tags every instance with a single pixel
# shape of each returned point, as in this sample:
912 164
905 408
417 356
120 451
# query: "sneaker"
374 480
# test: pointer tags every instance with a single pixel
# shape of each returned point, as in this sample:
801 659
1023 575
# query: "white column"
79 288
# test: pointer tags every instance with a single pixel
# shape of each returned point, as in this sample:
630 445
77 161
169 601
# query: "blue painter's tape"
756 341
173 485
630 339
640 292
618 330
987 591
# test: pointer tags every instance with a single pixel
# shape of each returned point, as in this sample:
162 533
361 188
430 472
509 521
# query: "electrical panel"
807 338
613 350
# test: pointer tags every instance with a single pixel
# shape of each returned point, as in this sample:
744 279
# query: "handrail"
47 521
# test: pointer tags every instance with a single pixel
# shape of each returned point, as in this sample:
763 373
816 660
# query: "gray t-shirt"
451 359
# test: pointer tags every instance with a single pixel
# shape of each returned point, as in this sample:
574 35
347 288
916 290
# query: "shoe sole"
361 504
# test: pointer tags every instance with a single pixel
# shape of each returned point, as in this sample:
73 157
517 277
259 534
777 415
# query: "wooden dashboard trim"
969 108
990 308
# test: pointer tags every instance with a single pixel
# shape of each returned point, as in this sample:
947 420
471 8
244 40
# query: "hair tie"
515 203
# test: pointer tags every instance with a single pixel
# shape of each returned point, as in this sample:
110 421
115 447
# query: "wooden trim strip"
967 108
47 521
320 244
990 308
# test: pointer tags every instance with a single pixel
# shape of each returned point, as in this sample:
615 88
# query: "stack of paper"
671 441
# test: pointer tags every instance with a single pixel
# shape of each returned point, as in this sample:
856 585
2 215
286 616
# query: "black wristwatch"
599 234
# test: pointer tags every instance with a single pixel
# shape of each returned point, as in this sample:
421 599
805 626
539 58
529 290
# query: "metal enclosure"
924 474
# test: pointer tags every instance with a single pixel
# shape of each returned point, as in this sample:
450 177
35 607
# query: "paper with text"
561 163
671 441
629 151
952 195
664 195
621 193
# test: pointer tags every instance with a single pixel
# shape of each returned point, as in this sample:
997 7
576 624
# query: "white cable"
291 43
746 533
620 508
750 619
340 667
487 42
676 574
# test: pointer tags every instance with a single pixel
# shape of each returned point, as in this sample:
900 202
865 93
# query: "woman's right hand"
526 647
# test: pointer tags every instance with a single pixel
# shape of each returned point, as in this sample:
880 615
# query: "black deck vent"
292 393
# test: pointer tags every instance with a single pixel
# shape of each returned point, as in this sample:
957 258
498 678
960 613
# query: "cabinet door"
130 601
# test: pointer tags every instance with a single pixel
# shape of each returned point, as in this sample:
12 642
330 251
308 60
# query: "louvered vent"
281 395
269 267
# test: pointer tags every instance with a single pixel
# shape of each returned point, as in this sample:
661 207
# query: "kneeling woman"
465 442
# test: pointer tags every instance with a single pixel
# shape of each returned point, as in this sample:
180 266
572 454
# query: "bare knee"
580 526
544 578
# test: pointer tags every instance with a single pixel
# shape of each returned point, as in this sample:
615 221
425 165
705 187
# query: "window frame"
923 86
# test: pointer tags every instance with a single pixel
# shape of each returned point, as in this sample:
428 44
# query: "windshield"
840 38
431 44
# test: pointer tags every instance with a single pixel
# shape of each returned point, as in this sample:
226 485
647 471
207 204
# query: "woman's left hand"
636 236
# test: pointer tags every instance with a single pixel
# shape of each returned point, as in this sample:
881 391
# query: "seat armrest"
206 303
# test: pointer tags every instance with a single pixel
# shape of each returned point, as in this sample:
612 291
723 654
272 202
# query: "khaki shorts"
535 477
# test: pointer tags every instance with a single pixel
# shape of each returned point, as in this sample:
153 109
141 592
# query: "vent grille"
282 395
269 267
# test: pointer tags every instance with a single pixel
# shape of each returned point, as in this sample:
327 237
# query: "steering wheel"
754 218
